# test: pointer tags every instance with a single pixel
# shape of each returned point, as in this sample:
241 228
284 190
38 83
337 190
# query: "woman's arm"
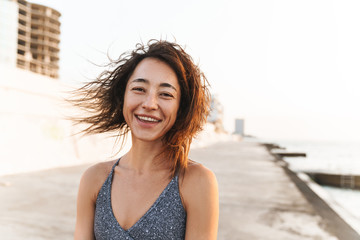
89 187
201 200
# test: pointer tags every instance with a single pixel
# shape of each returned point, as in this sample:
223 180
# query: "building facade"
216 114
38 39
38 36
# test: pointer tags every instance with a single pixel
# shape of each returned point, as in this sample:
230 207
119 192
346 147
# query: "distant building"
37 40
239 127
216 114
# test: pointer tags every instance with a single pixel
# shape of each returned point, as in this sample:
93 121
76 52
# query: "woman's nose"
150 102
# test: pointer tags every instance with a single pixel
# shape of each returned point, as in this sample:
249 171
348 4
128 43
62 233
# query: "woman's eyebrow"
168 85
140 80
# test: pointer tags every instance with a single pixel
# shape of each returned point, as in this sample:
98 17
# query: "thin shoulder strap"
117 162
113 167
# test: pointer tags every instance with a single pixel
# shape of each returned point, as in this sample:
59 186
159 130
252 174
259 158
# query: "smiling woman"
151 101
154 191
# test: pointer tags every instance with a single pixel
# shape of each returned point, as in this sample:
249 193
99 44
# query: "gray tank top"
166 218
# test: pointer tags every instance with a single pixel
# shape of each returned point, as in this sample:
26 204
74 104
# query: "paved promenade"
258 200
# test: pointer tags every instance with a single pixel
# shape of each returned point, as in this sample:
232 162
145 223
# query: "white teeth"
149 119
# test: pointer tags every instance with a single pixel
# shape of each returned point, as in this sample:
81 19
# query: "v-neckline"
146 213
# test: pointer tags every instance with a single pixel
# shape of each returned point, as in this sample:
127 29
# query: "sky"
289 68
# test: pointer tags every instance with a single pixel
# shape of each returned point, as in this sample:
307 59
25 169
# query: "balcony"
48 43
52 55
23 28
40 32
43 13
23 17
46 25
22 48
23 37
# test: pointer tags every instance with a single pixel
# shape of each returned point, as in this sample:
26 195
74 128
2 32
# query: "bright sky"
290 68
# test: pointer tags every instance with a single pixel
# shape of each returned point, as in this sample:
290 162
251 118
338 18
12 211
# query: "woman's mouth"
147 119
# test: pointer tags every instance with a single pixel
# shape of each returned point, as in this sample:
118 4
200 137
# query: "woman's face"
152 99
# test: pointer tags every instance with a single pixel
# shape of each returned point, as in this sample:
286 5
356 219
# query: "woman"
154 191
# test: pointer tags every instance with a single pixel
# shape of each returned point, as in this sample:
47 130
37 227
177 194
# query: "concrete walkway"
258 200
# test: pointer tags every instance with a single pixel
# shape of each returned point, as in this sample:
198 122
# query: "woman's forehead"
154 71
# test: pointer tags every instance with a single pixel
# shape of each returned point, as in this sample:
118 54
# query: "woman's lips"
147 119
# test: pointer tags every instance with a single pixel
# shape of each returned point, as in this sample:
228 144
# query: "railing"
46 43
46 24
38 12
46 53
45 33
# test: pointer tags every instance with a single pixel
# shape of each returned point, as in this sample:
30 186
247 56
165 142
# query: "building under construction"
38 36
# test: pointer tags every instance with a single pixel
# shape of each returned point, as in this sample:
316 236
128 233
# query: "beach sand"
258 199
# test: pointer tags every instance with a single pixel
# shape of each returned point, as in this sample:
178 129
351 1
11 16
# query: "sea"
341 157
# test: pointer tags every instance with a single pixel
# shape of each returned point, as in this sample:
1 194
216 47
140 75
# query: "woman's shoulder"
197 182
99 170
196 172
94 177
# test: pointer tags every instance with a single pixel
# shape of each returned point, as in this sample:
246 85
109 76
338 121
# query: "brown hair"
103 98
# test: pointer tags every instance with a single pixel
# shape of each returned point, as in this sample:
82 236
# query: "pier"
336 180
291 154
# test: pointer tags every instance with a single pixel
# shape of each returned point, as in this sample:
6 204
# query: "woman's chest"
134 218
131 199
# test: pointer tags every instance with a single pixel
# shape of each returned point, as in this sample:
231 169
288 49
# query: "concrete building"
216 114
239 127
38 39
38 36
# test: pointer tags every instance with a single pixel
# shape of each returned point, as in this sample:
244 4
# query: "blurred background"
290 68
286 71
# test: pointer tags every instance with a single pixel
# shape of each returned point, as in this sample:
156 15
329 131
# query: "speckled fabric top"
166 218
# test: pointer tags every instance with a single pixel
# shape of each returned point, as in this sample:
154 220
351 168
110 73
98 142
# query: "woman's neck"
146 157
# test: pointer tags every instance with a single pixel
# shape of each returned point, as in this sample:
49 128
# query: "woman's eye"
138 89
167 95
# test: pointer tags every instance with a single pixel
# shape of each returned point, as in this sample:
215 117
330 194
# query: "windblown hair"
103 98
